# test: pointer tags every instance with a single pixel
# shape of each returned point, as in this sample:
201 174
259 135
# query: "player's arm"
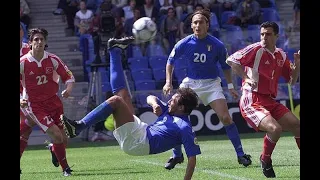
167 88
225 67
192 161
192 149
296 68
291 71
157 105
65 75
238 60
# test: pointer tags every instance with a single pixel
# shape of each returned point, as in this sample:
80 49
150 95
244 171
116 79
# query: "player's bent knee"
115 101
226 120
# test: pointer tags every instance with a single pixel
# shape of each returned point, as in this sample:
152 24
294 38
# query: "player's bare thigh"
127 99
221 109
122 113
289 122
269 124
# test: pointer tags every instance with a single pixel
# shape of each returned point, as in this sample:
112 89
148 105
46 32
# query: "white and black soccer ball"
144 29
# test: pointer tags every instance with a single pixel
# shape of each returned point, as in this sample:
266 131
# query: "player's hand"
167 88
23 103
65 93
296 57
252 83
157 109
234 93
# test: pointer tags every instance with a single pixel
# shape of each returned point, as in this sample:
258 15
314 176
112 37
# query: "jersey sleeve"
62 70
222 56
245 56
190 142
163 105
175 54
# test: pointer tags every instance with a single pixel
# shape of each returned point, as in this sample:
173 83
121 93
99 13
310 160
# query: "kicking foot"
121 43
72 128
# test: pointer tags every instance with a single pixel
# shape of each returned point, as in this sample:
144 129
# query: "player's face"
268 37
38 42
199 25
173 103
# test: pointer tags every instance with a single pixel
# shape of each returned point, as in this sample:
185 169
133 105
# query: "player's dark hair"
203 12
188 98
271 24
35 31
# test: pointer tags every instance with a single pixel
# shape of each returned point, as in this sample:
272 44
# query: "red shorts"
254 107
46 113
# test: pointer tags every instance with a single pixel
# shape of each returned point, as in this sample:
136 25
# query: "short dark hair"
34 31
188 98
271 24
203 12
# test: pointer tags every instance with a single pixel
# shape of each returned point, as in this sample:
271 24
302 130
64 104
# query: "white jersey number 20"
200 58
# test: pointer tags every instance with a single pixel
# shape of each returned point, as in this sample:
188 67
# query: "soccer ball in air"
144 29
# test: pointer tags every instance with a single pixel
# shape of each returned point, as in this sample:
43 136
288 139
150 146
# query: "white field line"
199 169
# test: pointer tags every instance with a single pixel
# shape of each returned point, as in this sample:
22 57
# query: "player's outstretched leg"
121 43
177 158
117 81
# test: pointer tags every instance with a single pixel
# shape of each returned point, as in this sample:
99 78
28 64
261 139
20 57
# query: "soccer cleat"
245 160
121 43
70 127
173 161
67 171
54 159
267 169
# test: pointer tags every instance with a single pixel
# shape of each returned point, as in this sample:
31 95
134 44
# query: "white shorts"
132 137
208 90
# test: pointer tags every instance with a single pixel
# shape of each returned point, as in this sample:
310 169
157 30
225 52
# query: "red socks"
60 152
268 147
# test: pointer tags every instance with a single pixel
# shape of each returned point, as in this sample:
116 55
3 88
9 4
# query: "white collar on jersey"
31 58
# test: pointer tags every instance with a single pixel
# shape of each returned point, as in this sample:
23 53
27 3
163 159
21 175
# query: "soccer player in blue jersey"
202 53
172 128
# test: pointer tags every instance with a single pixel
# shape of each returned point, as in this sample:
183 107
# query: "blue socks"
233 134
177 151
100 113
117 79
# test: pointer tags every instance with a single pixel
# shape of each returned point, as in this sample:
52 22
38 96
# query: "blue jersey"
169 131
201 55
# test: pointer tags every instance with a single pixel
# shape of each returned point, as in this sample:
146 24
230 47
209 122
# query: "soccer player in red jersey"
39 75
26 123
261 65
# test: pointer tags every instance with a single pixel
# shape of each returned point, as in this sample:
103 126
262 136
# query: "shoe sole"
68 128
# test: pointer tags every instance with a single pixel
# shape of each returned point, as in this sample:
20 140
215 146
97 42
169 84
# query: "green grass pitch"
105 160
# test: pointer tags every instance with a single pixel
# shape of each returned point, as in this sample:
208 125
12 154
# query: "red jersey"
40 78
263 67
